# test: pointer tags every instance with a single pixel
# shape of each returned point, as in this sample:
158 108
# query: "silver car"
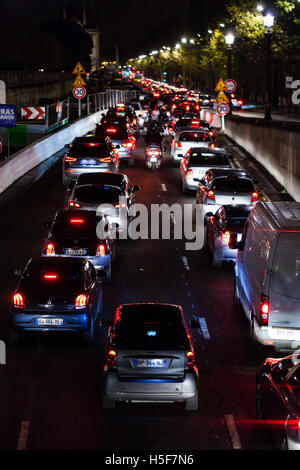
197 161
221 187
150 356
188 138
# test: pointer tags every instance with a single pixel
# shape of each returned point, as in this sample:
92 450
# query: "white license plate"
50 321
153 159
150 363
78 252
284 333
88 162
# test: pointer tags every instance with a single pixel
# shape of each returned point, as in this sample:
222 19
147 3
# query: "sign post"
8 118
223 109
79 91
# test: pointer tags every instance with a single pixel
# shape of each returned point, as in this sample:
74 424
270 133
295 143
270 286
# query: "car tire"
153 166
258 402
131 161
255 345
191 404
108 403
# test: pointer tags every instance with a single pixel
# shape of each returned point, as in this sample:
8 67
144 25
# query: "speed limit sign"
230 85
79 92
223 109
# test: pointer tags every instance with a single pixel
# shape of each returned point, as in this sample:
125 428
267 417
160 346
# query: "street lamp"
268 23
229 39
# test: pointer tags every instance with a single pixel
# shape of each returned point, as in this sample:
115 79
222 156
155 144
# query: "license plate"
88 162
50 321
154 363
153 159
78 252
284 333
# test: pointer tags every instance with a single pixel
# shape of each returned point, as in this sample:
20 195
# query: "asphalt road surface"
50 389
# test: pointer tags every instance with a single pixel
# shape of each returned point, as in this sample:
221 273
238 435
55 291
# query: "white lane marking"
23 436
234 436
185 263
203 327
164 188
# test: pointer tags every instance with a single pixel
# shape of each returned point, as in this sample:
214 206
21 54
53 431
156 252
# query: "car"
89 154
225 186
278 400
56 295
266 275
191 121
141 112
74 233
150 356
187 138
227 220
121 138
205 101
91 190
236 103
197 161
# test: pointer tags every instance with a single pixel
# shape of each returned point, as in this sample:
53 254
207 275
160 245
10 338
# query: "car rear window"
208 159
77 226
97 193
236 223
286 275
88 150
194 137
113 132
229 185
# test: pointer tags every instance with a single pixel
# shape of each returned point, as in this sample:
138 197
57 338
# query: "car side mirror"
101 273
17 272
233 243
136 188
47 224
197 179
194 323
105 322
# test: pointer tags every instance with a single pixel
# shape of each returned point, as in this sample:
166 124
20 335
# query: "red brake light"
255 197
111 130
129 145
264 310
112 358
190 359
101 250
18 300
211 133
211 146
81 301
76 221
70 159
178 145
211 195
50 277
74 204
240 102
195 123
50 250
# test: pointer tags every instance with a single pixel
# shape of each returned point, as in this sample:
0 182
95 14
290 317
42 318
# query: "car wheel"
131 161
153 166
259 405
191 404
108 403
255 345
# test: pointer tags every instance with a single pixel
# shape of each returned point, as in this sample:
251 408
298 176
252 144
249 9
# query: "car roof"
219 172
213 151
91 139
284 214
238 210
157 312
66 214
115 179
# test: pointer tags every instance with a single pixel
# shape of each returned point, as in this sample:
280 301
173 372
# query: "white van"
267 274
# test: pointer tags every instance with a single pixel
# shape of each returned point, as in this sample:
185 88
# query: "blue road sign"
8 115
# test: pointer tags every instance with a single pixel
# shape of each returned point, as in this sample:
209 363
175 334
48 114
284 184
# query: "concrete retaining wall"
277 148
29 95
24 160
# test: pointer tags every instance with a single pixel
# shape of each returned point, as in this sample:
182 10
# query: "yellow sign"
220 85
79 81
222 98
78 69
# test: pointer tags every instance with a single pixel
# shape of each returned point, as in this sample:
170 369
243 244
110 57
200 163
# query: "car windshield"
194 137
97 193
229 185
208 159
286 275
88 150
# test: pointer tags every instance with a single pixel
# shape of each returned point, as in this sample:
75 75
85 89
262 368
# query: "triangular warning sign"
222 98
78 69
220 85
79 81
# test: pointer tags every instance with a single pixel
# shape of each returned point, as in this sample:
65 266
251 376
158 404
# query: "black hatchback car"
56 295
150 356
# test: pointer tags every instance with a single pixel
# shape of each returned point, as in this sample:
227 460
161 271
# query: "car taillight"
240 102
226 236
101 250
18 300
112 358
50 249
264 310
211 195
74 204
211 133
211 100
111 130
81 301
190 359
211 146
178 145
129 145
70 159
293 424
189 174
195 123
255 197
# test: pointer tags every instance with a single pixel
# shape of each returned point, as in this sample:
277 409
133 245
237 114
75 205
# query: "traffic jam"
205 340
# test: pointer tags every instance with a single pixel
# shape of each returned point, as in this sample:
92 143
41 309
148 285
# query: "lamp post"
229 39
268 23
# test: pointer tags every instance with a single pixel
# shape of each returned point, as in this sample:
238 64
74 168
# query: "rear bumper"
27 322
190 184
69 174
139 389
264 336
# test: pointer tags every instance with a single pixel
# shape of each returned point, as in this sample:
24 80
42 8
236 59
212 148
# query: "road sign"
8 115
223 109
79 81
32 112
230 85
78 69
222 98
220 85
79 92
